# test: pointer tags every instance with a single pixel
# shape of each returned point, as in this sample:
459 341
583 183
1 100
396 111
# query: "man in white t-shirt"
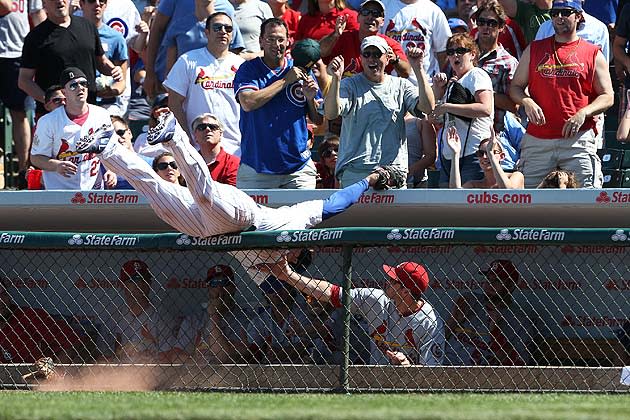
419 23
202 81
404 327
57 133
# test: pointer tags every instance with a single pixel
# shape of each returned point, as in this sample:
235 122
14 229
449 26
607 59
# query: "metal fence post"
344 382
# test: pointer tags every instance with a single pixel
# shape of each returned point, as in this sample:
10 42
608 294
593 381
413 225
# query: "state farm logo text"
104 198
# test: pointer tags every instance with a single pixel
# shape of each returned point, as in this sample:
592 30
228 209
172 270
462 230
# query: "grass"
193 405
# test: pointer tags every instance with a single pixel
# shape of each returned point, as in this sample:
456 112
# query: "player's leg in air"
225 207
171 202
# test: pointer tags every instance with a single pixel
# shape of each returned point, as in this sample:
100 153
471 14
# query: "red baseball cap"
410 274
136 270
220 270
503 270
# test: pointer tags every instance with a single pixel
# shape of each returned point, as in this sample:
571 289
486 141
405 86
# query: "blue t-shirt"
274 136
177 10
115 49
604 10
189 34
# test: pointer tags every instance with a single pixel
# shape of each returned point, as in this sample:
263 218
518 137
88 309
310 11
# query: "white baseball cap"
379 2
375 41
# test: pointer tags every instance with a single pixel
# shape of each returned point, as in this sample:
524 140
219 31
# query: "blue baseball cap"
567 4
457 23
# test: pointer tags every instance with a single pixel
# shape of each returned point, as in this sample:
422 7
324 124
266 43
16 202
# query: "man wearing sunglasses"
568 83
373 106
202 81
494 59
208 136
58 132
348 42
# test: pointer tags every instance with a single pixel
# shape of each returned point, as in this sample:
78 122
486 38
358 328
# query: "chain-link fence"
428 309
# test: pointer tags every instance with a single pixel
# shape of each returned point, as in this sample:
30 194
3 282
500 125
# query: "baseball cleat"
95 142
389 177
164 129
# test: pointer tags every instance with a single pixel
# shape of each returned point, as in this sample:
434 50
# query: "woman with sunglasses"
472 113
490 155
165 166
327 151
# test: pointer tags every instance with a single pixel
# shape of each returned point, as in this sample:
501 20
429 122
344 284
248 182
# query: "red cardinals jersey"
561 82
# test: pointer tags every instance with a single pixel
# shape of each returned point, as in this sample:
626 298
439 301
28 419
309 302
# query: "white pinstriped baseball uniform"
205 207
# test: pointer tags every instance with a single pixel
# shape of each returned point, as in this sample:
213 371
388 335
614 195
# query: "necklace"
555 54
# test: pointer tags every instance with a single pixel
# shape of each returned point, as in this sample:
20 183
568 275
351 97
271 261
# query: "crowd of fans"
393 78
491 93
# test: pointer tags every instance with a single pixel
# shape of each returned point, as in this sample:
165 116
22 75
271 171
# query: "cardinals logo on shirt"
549 69
352 68
64 150
216 81
413 35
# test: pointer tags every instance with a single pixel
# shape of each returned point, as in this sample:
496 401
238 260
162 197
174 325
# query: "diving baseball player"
405 328
206 207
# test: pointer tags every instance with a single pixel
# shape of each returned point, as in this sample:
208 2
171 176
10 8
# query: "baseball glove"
389 177
44 369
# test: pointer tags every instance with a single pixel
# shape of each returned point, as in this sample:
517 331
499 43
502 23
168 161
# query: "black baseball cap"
70 73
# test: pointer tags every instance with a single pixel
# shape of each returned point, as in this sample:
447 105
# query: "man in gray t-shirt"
373 106
13 29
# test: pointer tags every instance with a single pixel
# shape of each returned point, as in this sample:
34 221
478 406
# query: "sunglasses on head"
75 85
328 152
554 13
492 23
218 27
368 12
203 126
373 54
164 165
458 51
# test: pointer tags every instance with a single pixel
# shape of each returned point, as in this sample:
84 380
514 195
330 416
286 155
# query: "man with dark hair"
202 81
405 328
274 106
59 42
568 83
54 98
58 132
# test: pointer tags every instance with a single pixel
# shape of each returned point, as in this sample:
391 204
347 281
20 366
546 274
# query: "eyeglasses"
368 12
554 13
328 152
203 126
373 54
458 51
218 27
75 85
57 101
481 153
493 23
163 165
121 132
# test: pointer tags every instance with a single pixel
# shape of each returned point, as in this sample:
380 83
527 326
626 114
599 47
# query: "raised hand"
340 24
453 141
336 67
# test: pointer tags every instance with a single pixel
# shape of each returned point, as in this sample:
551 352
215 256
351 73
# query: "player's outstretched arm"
318 289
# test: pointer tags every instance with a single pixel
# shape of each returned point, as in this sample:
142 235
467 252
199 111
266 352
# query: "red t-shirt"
224 168
348 45
318 26
561 88
292 19
511 38
31 334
